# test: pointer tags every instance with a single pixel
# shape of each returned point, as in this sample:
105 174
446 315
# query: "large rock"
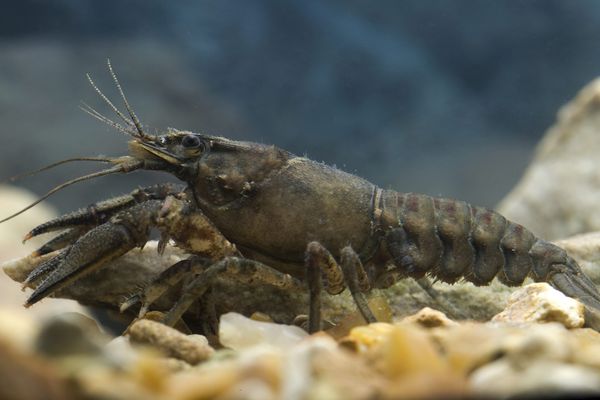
559 195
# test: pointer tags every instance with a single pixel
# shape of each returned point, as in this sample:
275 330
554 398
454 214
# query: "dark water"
442 97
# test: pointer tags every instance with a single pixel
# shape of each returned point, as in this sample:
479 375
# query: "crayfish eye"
191 141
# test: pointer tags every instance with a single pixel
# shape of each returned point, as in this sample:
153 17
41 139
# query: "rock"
534 342
363 338
559 194
471 345
539 302
430 318
317 368
238 332
540 378
586 343
409 359
407 350
70 334
192 349
26 377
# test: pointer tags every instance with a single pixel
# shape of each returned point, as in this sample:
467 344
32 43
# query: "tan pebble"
430 318
365 337
469 345
586 345
192 385
213 380
529 343
317 368
408 350
539 302
158 316
170 341
381 309
152 372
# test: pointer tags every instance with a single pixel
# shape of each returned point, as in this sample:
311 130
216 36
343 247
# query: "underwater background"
441 97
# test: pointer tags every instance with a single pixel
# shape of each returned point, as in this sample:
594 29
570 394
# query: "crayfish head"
219 169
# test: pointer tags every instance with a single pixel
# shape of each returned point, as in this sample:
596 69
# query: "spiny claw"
126 230
91 251
43 270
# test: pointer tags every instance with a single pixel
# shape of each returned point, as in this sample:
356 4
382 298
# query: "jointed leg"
241 269
165 281
320 264
353 268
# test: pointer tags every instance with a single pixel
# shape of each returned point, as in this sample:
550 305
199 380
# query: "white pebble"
238 332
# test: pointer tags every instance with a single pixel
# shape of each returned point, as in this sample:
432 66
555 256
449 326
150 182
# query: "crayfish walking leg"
320 264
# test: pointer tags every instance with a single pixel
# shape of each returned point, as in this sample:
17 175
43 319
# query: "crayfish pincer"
252 212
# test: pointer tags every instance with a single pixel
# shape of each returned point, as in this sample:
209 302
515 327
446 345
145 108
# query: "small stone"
363 338
70 334
503 378
523 345
238 332
586 343
317 368
470 344
408 350
215 378
430 318
539 302
192 349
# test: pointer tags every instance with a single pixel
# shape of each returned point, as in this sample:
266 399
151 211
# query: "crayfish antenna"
91 111
56 164
121 167
140 131
108 102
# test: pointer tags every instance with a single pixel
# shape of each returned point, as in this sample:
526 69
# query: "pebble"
70 334
430 318
540 302
192 349
238 332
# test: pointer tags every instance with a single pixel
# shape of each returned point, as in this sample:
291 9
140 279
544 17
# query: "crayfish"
254 212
